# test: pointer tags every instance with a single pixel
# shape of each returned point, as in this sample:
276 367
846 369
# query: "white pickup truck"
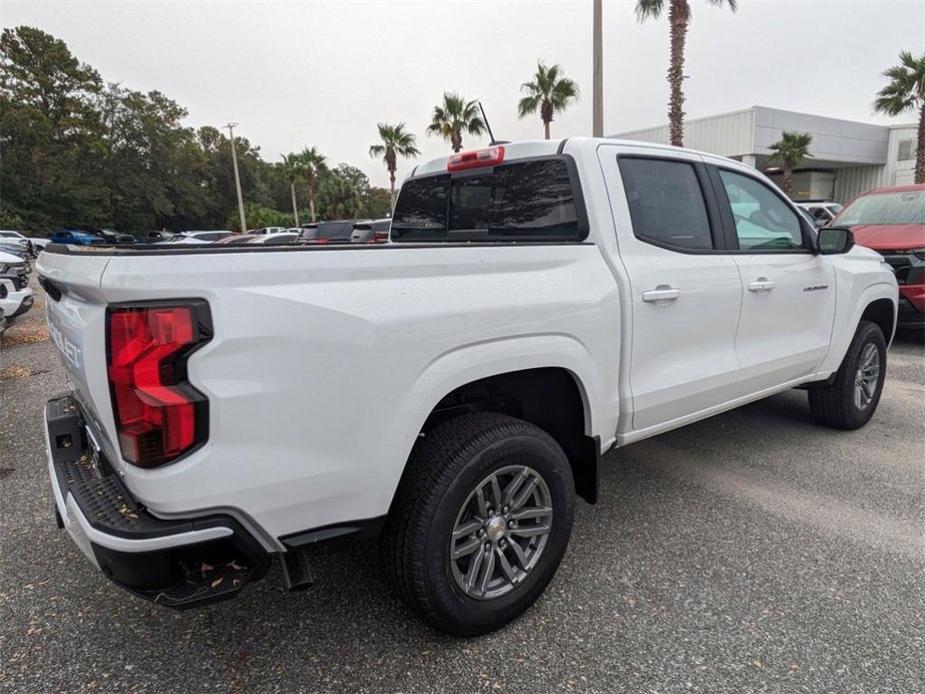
451 392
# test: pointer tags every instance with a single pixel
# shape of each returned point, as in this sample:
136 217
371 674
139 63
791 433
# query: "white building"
848 157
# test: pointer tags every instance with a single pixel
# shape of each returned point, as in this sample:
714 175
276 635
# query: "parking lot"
753 551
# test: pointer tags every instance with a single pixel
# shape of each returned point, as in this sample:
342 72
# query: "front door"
788 292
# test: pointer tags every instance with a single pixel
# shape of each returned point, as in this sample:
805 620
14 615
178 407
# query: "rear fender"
482 360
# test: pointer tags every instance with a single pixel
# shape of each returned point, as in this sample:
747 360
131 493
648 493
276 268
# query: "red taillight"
380 237
159 415
475 159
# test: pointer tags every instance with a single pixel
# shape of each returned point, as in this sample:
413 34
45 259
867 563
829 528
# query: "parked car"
275 239
15 267
823 211
198 237
76 237
268 231
610 295
236 239
335 231
114 237
32 246
371 231
11 247
14 302
892 222
155 236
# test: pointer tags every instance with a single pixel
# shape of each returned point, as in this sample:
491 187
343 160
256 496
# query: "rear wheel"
480 522
851 399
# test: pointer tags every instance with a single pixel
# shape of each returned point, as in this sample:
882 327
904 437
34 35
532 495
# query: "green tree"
312 164
791 150
549 92
395 142
339 197
679 17
257 216
906 92
454 117
358 179
49 132
293 172
378 203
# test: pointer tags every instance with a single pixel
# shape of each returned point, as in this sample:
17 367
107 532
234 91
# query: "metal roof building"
848 157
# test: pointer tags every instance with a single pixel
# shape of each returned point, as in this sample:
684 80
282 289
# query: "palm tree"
311 164
293 171
342 198
906 92
548 93
790 151
679 17
455 116
395 143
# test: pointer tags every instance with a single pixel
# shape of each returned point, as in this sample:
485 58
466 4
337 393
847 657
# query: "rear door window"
666 203
522 201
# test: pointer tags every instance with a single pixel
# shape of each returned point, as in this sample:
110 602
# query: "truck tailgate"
76 315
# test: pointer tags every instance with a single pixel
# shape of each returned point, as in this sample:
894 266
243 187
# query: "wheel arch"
883 313
547 380
878 302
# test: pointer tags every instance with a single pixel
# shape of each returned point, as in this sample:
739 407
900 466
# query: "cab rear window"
522 201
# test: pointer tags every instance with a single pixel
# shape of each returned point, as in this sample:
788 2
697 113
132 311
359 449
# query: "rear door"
788 292
685 291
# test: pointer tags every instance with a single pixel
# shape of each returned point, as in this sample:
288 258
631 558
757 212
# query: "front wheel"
480 522
849 401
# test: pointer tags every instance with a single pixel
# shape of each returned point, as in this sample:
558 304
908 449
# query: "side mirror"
834 240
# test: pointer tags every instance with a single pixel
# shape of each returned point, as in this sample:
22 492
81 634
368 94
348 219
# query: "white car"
197 237
279 239
14 302
269 231
822 212
14 268
23 241
452 392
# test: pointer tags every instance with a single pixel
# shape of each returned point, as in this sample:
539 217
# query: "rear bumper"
179 563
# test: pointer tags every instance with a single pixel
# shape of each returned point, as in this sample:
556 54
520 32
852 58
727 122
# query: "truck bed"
384 332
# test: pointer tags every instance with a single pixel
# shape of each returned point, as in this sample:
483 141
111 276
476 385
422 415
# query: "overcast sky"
324 73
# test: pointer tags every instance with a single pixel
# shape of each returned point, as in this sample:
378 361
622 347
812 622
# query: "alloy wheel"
500 532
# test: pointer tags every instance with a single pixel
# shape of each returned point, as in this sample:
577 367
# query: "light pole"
597 100
237 176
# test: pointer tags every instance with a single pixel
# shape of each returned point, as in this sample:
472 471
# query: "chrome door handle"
662 292
762 284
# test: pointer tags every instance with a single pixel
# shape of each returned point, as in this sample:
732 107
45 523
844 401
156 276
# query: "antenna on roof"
488 125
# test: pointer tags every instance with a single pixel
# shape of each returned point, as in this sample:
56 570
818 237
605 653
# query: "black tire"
833 404
445 467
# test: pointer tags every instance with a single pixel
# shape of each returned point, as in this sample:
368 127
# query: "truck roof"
543 148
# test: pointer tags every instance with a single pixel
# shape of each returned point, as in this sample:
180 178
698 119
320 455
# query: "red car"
891 221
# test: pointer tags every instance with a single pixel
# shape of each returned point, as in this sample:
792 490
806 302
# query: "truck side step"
297 569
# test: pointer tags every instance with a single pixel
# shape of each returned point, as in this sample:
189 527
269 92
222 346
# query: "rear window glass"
526 201
666 203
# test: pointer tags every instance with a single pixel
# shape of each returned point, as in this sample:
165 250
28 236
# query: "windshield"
906 207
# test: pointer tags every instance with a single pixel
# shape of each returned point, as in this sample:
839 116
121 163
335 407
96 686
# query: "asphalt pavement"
751 552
